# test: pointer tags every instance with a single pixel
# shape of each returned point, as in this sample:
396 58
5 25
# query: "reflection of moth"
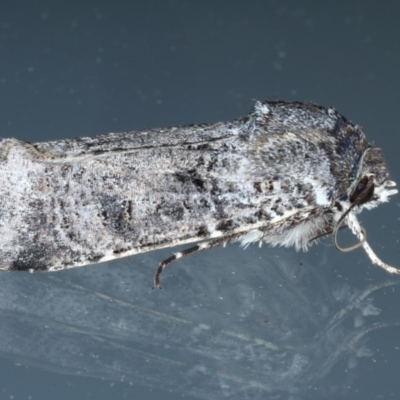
209 340
285 174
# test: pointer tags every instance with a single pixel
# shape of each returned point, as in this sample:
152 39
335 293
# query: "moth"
286 174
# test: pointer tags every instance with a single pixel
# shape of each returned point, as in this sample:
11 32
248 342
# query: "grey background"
70 68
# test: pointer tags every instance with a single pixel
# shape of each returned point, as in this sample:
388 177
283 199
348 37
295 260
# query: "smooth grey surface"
69 69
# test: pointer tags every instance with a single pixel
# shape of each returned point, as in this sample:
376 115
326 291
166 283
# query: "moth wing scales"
271 180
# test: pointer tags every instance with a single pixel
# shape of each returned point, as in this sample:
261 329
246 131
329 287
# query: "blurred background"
74 68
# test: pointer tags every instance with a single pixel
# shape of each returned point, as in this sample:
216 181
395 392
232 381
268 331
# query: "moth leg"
326 233
195 249
360 233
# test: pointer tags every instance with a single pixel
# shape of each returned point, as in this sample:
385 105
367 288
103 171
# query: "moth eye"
361 185
361 193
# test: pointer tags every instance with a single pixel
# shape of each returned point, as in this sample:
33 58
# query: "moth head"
369 189
370 186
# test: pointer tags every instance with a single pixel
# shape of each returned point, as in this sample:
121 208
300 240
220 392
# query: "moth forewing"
284 174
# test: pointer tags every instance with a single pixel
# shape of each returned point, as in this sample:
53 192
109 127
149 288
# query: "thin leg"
195 249
360 233
321 235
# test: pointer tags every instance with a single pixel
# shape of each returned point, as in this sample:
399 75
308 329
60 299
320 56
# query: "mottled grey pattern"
282 175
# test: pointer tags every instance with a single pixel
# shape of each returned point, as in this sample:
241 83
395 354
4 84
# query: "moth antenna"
360 233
